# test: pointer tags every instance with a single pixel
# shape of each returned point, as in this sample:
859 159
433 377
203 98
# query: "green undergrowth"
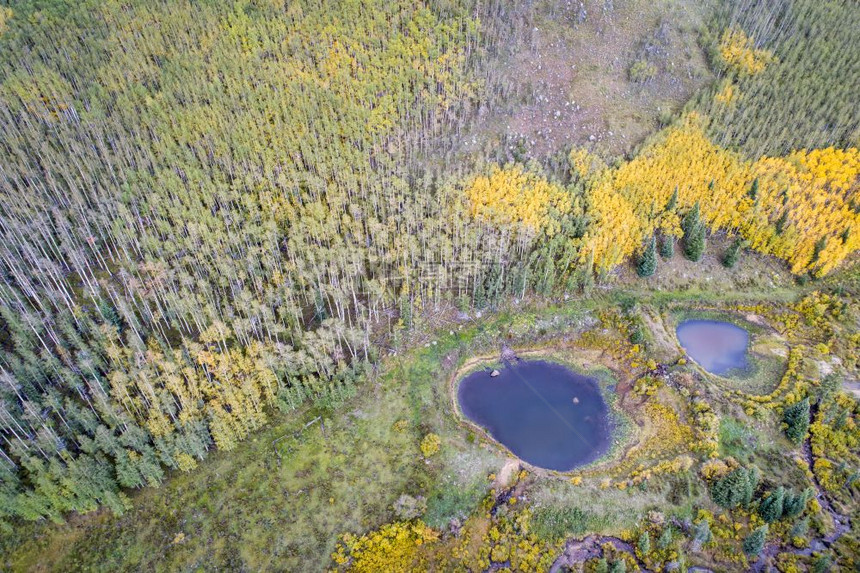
283 498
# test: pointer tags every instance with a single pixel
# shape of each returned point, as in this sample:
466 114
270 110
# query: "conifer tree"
644 543
771 506
795 503
648 261
735 488
753 192
673 201
730 258
694 242
754 542
692 219
796 419
667 247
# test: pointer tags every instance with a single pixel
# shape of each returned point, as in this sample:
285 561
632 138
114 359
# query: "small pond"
546 414
718 347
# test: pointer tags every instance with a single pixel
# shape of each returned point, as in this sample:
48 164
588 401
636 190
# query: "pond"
546 414
718 347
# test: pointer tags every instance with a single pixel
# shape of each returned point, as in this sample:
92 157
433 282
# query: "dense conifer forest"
217 218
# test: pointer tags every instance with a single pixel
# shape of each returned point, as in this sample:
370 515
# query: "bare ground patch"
572 81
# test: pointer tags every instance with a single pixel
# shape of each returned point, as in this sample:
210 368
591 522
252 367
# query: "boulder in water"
494 373
575 400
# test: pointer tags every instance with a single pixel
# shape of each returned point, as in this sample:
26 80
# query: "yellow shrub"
430 445
740 54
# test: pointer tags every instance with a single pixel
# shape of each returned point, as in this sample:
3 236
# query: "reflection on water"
718 347
546 414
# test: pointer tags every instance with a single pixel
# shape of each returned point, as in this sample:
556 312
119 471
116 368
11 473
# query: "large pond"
546 414
718 347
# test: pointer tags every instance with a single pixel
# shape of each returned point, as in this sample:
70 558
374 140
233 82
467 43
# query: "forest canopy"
212 210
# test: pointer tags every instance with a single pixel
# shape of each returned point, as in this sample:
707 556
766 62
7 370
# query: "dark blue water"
718 347
530 409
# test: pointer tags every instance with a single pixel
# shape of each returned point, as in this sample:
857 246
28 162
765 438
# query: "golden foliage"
392 547
615 232
740 54
513 197
430 445
802 211
728 95
585 165
5 16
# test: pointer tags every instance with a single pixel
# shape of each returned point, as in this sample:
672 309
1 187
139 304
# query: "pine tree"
754 542
701 533
796 418
822 563
732 253
692 219
644 543
753 192
673 201
795 503
779 226
771 506
694 242
665 539
735 488
648 261
667 247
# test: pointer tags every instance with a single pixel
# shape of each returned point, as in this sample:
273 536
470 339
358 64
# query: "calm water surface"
530 409
718 347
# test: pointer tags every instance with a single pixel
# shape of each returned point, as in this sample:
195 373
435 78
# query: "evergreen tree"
644 543
754 542
692 219
730 258
795 503
667 247
822 563
771 506
648 261
619 566
796 418
735 488
751 485
753 192
694 242
779 226
673 201
665 539
701 534
800 529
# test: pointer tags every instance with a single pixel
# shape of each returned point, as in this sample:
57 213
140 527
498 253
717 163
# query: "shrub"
642 71
430 445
